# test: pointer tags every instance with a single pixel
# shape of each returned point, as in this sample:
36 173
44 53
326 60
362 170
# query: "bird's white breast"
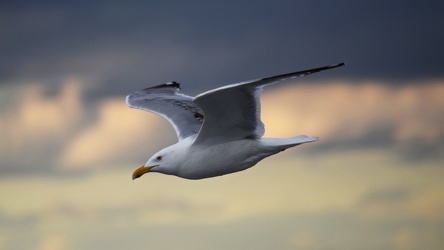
204 162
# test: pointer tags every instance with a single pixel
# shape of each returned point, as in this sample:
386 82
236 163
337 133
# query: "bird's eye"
159 158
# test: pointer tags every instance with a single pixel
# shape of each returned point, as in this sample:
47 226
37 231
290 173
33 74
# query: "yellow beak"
141 171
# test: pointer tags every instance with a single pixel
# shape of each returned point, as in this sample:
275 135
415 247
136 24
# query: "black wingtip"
173 84
338 65
333 66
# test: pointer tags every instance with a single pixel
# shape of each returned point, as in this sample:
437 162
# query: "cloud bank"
59 131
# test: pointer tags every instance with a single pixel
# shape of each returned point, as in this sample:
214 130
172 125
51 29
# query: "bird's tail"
284 143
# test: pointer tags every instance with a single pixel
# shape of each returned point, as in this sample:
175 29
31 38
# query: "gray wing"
233 112
166 101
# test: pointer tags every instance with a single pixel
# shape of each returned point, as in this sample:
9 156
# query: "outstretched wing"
233 112
166 101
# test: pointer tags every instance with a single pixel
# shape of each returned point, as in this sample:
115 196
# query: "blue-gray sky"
132 44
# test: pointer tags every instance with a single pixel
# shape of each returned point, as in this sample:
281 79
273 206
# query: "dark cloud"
131 45
410 152
392 197
422 151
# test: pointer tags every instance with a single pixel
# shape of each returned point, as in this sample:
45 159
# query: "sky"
69 144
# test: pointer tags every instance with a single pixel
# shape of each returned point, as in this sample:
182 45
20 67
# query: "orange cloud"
41 115
345 110
118 131
334 110
37 120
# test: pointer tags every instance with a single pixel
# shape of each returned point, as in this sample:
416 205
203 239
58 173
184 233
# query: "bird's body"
219 131
198 162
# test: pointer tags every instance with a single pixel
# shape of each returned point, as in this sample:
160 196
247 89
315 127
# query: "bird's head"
162 162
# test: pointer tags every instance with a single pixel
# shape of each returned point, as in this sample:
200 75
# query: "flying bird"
219 131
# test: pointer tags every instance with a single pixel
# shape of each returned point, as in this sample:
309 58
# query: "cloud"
116 135
35 124
124 42
339 112
420 201
52 242
344 112
58 130
308 202
47 129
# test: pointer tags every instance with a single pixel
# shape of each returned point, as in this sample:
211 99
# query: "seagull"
219 131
